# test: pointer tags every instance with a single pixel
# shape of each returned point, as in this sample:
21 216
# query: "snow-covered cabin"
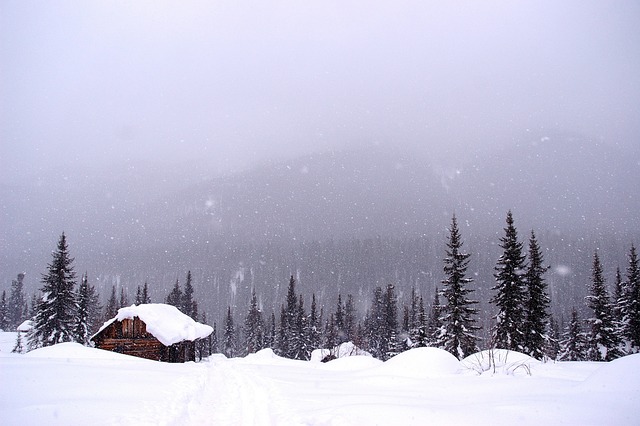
154 331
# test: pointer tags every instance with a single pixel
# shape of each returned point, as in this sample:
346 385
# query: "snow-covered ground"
69 384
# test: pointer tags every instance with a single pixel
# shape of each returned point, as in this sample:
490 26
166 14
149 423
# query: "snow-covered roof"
165 322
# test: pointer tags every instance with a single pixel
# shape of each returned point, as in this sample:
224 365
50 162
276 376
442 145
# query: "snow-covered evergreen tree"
339 318
18 348
188 305
253 327
573 345
537 317
124 298
551 348
54 321
434 327
4 312
314 331
350 319
300 338
229 348
390 343
458 323
631 320
82 327
174 298
111 309
374 325
602 339
145 294
215 345
510 294
16 302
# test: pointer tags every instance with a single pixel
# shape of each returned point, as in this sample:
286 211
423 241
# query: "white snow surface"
165 322
68 384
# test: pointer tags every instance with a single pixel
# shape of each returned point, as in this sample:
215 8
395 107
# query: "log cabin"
153 331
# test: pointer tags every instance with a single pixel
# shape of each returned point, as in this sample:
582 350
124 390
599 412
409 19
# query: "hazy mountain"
376 214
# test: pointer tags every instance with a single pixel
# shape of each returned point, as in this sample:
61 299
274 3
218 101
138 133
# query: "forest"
513 313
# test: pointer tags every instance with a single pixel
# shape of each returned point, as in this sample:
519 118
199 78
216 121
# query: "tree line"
522 321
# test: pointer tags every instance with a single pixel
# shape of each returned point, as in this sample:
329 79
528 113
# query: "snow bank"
165 322
343 350
352 363
72 350
500 361
422 363
622 374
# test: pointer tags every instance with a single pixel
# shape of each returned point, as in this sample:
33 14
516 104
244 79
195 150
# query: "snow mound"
267 357
352 363
500 361
622 374
165 322
76 351
25 326
343 350
422 363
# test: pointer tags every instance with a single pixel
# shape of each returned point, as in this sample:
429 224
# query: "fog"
233 83
247 141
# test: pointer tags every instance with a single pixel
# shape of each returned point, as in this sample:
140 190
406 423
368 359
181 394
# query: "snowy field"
69 384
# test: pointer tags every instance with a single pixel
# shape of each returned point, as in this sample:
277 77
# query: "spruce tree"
603 339
315 332
618 303
390 345
4 312
229 338
82 326
111 310
375 325
413 319
145 294
54 321
434 326
537 317
631 322
188 306
572 347
18 348
16 302
289 324
350 319
214 345
422 338
253 327
341 336
124 298
510 294
174 298
458 322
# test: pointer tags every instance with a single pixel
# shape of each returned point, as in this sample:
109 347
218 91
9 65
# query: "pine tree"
375 325
271 334
111 310
16 302
174 298
253 327
215 346
618 304
82 326
124 299
434 326
187 305
18 348
551 347
572 347
631 322
300 342
603 340
350 319
510 294
289 325
422 338
229 343
145 294
390 323
537 318
340 321
412 320
4 312
459 327
55 314
315 333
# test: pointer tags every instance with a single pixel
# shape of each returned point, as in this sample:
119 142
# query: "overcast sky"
235 81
